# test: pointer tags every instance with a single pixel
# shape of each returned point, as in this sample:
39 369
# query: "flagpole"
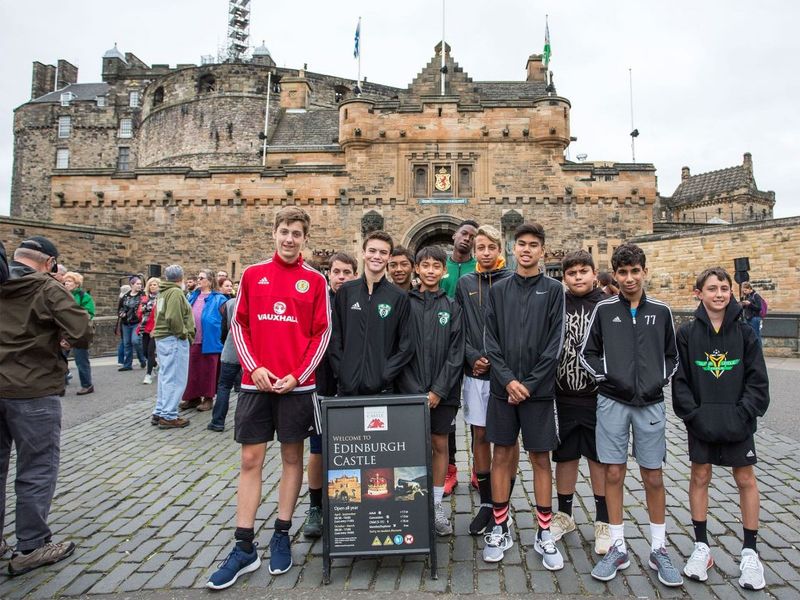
443 42
358 42
634 133
266 120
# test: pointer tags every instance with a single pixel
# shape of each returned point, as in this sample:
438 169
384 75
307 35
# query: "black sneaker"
482 520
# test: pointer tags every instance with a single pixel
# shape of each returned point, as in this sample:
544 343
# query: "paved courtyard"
152 512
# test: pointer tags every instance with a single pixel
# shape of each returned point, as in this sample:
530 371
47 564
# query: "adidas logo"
263 281
356 306
750 454
616 320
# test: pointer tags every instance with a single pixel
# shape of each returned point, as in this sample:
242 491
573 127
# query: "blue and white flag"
357 48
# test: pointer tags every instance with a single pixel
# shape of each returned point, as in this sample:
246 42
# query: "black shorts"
443 419
537 419
260 414
576 425
734 454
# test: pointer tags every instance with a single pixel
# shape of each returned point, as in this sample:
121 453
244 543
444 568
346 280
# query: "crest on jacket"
716 363
444 317
384 310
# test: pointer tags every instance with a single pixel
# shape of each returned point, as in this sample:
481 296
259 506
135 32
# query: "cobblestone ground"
153 510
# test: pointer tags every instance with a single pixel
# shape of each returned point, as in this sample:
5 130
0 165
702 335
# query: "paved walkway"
153 510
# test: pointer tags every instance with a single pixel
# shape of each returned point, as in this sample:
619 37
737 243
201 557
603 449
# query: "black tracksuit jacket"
371 340
524 334
721 386
472 295
632 359
437 326
324 376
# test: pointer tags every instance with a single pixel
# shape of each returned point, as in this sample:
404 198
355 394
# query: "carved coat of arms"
442 181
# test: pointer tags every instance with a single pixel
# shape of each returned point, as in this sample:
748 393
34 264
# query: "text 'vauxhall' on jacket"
371 340
438 336
211 320
36 313
632 358
472 295
524 334
173 313
282 321
721 386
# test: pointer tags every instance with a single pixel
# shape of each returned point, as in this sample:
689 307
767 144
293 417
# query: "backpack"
4 273
764 307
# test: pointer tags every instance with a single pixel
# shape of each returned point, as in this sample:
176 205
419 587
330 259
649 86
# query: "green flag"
546 52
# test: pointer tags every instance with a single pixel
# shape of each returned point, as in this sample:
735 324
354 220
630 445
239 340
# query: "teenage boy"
459 264
435 368
576 399
371 342
719 391
524 329
401 268
630 350
343 268
280 299
472 295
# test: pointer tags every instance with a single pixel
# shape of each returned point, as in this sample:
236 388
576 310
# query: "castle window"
62 158
158 96
100 101
126 128
66 97
339 93
65 127
207 83
420 181
133 99
751 212
124 159
465 180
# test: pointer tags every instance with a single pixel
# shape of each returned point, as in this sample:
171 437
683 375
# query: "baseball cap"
41 244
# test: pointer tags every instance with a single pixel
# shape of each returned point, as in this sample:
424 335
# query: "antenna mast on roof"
238 29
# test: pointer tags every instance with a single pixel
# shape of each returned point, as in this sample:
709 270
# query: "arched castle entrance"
437 230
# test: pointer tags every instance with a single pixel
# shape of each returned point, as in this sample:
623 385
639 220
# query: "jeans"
121 350
149 347
755 323
132 341
84 368
229 374
173 373
34 427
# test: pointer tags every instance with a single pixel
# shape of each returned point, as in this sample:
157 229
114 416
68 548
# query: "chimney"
684 173
536 70
43 79
748 162
295 92
67 74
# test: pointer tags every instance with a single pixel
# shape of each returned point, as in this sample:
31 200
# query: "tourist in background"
74 283
123 289
128 311
147 321
230 370
751 302
207 347
226 288
221 277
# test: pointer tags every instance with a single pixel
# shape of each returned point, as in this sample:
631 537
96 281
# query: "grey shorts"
616 420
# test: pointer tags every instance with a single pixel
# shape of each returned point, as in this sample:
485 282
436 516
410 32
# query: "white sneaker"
147 380
752 577
562 523
546 546
497 543
699 563
602 538
440 521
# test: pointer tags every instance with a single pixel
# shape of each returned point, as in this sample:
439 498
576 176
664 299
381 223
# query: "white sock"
617 533
658 536
438 494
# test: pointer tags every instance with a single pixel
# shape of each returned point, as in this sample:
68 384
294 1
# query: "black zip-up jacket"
371 340
574 385
437 326
472 295
524 334
324 376
721 386
754 310
631 358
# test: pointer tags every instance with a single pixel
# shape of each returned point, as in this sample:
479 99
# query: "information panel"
377 469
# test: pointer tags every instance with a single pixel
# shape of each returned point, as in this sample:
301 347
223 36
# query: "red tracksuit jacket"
282 321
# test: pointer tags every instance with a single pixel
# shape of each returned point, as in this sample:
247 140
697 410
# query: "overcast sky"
711 79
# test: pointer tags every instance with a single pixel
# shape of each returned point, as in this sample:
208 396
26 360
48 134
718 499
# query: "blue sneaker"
280 553
237 563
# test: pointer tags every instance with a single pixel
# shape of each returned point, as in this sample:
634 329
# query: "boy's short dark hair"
717 272
604 278
432 253
468 222
345 258
379 235
534 229
578 257
628 255
292 214
402 251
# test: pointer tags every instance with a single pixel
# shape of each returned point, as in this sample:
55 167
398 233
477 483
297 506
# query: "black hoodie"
371 340
472 295
436 323
721 386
